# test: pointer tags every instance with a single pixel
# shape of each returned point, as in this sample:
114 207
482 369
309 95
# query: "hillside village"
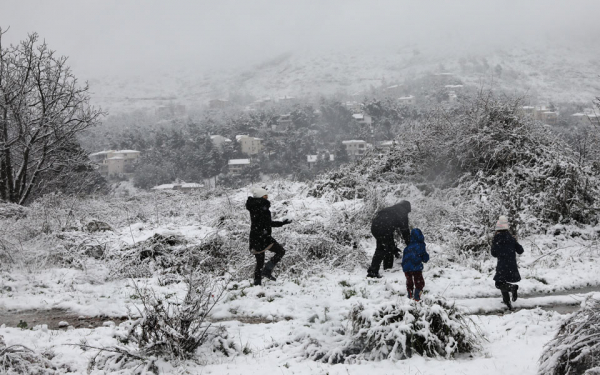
274 124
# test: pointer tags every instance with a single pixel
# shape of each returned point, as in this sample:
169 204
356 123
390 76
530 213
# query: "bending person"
383 226
260 235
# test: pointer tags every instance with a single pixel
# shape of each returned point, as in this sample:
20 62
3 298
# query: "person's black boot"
514 289
506 299
257 281
267 271
374 275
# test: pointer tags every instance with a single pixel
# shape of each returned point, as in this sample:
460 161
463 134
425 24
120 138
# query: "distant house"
218 103
355 148
115 162
541 113
286 99
219 141
183 186
386 145
549 117
250 145
236 166
353 106
407 100
362 119
313 159
586 117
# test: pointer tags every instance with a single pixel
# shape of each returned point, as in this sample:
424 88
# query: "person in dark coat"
383 226
504 248
413 257
260 235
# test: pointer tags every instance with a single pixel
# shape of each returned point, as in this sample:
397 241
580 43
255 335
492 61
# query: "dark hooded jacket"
505 248
415 254
390 219
260 223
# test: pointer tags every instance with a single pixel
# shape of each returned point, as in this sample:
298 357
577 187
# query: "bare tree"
42 108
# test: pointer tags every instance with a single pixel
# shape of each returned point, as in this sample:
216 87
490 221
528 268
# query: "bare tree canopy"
42 108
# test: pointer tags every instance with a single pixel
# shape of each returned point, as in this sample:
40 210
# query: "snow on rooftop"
164 187
116 158
238 162
127 152
406 97
352 141
358 116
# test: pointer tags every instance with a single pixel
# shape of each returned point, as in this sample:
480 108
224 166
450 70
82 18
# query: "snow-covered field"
268 320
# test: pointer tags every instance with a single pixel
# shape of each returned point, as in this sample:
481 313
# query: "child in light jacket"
413 258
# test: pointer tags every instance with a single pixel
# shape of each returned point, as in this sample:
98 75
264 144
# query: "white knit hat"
259 192
502 223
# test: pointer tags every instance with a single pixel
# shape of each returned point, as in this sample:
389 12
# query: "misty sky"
114 36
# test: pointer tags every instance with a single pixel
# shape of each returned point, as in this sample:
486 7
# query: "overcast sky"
110 36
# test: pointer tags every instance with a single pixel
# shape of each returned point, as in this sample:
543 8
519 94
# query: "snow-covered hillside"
557 74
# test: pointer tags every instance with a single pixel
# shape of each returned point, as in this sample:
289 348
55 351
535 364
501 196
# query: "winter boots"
267 271
374 275
410 294
417 295
514 289
506 299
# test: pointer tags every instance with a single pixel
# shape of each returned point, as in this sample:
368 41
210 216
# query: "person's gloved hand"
397 253
286 222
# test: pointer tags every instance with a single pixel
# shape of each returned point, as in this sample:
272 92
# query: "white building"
355 148
250 145
236 166
313 159
115 162
362 119
407 100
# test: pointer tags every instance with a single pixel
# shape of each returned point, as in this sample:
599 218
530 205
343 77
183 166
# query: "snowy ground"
278 312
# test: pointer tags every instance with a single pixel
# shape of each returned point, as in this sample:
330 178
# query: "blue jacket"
415 254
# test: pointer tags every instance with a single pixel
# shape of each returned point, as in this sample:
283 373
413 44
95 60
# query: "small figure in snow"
505 247
260 234
383 226
413 258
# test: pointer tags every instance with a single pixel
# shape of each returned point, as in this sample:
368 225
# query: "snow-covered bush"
398 330
576 348
18 359
168 328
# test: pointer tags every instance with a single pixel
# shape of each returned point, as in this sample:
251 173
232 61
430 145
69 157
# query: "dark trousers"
260 259
414 280
383 252
504 286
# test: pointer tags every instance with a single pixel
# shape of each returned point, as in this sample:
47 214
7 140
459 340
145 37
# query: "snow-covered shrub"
398 330
576 348
18 359
168 328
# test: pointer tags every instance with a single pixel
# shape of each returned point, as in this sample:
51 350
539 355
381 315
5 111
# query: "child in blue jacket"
412 264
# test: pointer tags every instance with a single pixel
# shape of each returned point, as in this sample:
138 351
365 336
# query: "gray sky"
112 36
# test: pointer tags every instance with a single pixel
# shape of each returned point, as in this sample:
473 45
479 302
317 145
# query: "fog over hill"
138 55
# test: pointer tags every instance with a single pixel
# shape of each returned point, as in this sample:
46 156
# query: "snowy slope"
545 74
